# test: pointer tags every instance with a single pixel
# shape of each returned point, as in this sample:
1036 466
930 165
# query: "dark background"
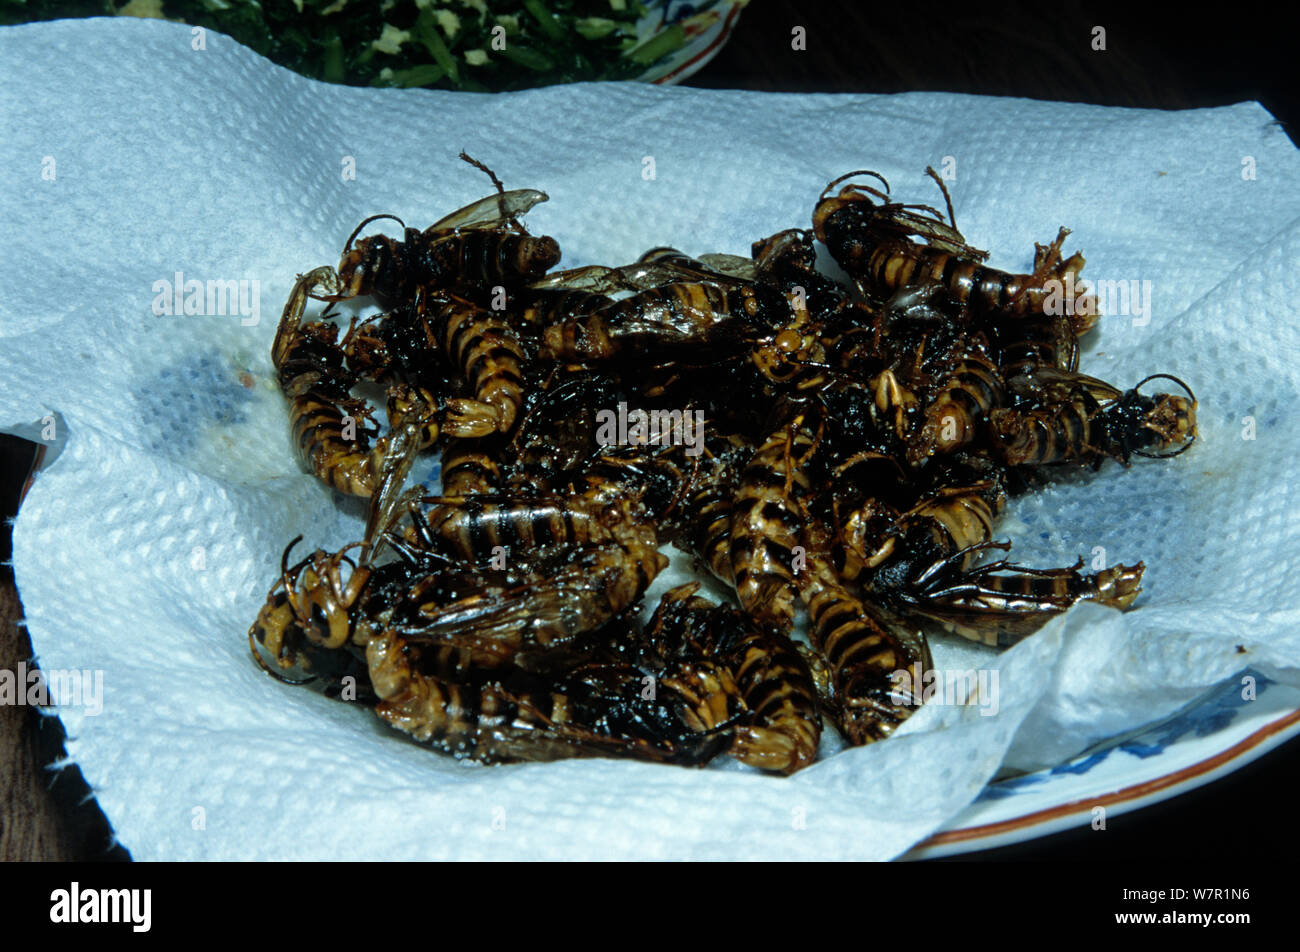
1162 58
1167 59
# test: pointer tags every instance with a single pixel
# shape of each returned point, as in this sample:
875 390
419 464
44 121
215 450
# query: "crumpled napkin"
136 164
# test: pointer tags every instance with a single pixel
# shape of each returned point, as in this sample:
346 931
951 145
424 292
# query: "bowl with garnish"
467 45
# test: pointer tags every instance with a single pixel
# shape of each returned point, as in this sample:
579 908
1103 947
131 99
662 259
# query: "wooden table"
44 815
1039 50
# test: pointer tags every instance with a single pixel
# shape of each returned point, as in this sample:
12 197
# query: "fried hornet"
840 453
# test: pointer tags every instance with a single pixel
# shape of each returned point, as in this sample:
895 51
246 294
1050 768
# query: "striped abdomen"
1036 342
479 721
595 711
894 265
862 238
777 686
706 512
670 314
550 306
1003 609
957 415
516 616
1051 435
476 258
708 531
336 445
485 350
765 523
957 519
471 527
469 467
865 652
783 725
319 427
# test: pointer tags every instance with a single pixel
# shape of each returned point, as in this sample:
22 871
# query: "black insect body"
841 453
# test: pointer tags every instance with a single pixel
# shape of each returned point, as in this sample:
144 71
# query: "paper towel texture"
133 163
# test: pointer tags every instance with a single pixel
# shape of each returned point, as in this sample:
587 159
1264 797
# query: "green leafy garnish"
657 47
412 42
427 30
529 59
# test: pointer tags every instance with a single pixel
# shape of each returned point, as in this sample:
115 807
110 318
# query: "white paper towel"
147 547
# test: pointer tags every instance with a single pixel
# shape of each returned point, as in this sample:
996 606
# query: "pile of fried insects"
849 448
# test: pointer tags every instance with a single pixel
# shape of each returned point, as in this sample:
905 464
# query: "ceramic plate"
707 26
1210 738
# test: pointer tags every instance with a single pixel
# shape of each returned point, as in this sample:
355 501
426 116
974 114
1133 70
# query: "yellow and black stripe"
765 522
484 349
865 650
1003 609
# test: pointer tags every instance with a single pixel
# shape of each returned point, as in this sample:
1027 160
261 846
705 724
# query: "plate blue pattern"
1208 715
1219 732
